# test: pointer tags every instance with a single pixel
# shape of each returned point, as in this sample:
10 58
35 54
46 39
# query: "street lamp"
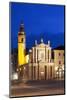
56 68
19 73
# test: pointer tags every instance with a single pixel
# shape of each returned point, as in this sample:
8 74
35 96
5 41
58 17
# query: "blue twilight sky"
40 21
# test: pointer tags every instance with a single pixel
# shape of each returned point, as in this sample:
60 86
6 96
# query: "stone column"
49 54
36 55
46 54
33 54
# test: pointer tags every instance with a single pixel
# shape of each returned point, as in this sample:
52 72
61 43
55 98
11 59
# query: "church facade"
41 64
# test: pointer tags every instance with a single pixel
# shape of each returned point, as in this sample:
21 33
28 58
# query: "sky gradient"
40 21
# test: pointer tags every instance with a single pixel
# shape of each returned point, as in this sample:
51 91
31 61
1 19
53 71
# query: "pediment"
41 45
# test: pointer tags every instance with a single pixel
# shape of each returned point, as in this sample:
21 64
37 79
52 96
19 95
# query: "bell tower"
21 45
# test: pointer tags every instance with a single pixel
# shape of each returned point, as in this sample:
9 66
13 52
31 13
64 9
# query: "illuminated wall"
59 57
21 46
21 54
27 58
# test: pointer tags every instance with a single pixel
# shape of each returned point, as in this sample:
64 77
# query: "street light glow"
15 76
56 68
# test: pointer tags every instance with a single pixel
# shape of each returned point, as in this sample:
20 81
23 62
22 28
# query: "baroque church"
39 64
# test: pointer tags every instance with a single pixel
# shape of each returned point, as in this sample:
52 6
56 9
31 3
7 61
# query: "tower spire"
21 29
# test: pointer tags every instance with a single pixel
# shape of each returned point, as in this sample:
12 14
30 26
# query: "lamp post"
24 75
19 74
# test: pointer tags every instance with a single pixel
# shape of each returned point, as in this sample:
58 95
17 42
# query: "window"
59 62
59 54
42 55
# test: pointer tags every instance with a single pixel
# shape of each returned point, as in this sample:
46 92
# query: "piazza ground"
38 88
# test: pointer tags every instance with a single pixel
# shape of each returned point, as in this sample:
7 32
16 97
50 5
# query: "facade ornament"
49 43
41 40
35 42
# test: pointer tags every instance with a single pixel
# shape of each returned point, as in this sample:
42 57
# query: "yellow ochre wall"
21 54
27 58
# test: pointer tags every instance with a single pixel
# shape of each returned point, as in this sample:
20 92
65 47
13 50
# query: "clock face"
41 55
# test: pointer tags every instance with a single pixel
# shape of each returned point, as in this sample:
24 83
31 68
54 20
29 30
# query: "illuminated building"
38 64
41 65
59 62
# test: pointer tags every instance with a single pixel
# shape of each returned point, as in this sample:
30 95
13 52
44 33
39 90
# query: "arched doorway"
42 75
60 73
